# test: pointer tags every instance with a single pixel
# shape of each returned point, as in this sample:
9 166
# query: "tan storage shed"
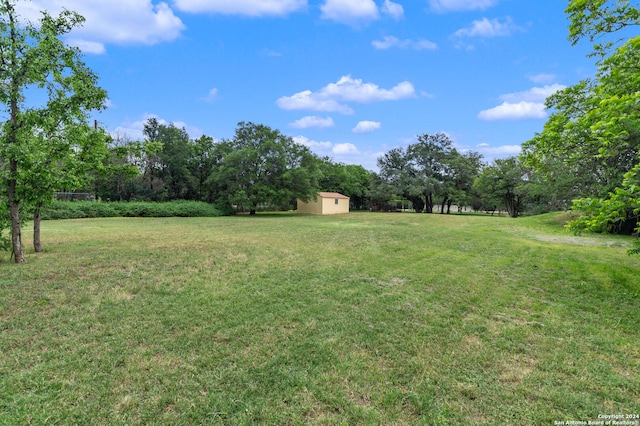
326 203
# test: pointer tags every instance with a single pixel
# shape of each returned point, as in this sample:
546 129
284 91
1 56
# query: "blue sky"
351 79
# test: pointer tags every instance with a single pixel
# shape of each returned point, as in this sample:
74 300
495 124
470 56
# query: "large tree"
260 165
348 179
34 61
399 174
200 164
595 126
171 166
463 170
502 183
430 168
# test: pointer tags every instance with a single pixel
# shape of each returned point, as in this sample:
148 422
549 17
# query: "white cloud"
326 148
388 42
307 100
504 150
212 95
395 10
253 8
314 145
535 94
350 12
346 89
312 121
92 47
514 111
367 126
344 148
270 53
452 5
488 28
521 105
115 21
350 89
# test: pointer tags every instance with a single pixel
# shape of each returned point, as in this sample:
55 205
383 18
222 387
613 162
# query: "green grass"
355 319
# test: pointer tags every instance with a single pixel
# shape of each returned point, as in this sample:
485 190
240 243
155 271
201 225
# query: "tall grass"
354 319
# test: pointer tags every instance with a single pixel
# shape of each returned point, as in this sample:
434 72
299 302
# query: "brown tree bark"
16 237
36 230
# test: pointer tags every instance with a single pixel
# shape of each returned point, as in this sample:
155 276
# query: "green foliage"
503 183
46 143
262 166
347 179
430 168
594 19
591 143
5 230
171 163
89 209
618 213
120 178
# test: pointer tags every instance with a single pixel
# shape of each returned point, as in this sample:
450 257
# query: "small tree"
34 59
61 158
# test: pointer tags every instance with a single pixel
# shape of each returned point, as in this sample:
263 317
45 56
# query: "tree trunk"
512 205
36 230
444 202
16 237
428 202
449 202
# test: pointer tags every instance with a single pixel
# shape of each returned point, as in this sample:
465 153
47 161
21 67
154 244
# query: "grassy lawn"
283 319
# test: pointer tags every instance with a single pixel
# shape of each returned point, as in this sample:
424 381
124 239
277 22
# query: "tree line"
585 158
260 166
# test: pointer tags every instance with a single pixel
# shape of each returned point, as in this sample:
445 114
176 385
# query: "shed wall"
324 205
329 205
312 207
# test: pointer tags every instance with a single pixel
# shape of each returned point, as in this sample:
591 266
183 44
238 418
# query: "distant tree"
347 179
380 192
171 166
502 183
36 64
428 169
400 175
120 178
200 164
262 166
463 170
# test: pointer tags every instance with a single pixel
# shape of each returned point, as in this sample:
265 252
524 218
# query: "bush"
94 209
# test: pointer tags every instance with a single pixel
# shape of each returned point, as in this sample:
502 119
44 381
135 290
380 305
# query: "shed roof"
332 195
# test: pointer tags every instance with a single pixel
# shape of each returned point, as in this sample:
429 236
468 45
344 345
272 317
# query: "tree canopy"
34 64
260 165
594 130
